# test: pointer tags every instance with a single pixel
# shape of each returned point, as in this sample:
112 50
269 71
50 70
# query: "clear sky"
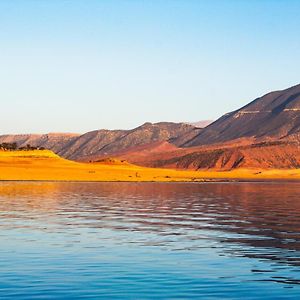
75 66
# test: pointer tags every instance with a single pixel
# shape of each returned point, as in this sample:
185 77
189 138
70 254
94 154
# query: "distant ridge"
106 142
52 141
201 124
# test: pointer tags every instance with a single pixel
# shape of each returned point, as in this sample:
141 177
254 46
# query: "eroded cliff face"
267 155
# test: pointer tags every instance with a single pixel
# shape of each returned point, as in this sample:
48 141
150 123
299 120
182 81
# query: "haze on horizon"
76 66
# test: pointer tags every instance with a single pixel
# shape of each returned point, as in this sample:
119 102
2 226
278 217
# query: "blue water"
149 240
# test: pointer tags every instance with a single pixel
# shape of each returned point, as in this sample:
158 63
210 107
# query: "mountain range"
105 142
262 134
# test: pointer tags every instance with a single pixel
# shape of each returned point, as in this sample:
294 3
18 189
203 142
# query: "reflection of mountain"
28 197
250 220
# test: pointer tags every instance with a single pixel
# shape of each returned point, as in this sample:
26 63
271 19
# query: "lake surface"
149 240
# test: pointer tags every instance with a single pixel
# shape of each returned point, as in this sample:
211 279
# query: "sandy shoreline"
225 180
44 166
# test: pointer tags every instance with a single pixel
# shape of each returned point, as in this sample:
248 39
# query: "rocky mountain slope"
107 142
263 134
268 155
111 142
274 116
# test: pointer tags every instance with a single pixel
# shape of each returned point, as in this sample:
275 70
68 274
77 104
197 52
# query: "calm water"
150 241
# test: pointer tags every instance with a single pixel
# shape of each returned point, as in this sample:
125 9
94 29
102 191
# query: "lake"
149 240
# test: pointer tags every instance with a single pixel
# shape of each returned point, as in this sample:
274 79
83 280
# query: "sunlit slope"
272 117
45 165
41 154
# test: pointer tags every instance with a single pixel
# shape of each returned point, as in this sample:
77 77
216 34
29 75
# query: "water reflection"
259 222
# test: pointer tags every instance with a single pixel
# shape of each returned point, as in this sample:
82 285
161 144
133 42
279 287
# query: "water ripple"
151 240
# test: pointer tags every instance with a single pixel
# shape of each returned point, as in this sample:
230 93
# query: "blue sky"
75 66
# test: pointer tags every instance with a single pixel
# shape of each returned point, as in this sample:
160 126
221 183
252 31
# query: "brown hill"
275 116
269 155
262 134
110 142
101 143
52 141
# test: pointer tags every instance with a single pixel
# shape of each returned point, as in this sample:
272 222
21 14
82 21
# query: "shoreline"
45 166
217 180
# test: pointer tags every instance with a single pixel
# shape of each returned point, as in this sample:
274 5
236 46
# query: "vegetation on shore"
14 147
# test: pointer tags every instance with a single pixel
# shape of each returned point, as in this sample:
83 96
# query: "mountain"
104 142
110 142
266 155
263 134
52 141
274 116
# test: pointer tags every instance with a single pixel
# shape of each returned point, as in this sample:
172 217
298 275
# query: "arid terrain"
263 135
106 142
44 165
